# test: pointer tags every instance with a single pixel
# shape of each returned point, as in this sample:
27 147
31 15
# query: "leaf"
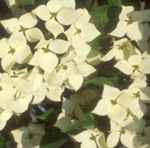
26 2
88 121
2 142
100 15
114 2
45 116
56 144
100 81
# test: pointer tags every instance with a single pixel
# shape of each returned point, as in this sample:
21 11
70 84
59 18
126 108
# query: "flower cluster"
46 52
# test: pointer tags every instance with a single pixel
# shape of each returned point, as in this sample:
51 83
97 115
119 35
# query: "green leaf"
100 15
56 144
25 2
2 142
100 81
114 2
88 121
45 116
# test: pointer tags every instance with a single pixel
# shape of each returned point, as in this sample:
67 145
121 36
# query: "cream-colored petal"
54 27
67 16
16 40
22 54
45 60
59 46
34 35
135 60
28 20
88 32
118 113
109 56
88 144
137 108
133 31
103 107
84 16
113 139
7 62
120 29
11 25
124 67
4 47
145 66
4 117
145 94
55 5
55 93
75 81
42 12
85 69
110 93
81 48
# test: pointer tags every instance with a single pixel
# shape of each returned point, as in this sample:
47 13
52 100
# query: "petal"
89 144
135 60
67 16
4 117
45 60
11 25
55 5
4 47
7 62
55 93
34 35
85 69
124 67
28 20
118 113
109 56
102 108
59 46
88 32
42 12
75 81
113 139
110 93
22 54
54 27
145 66
81 48
16 40
145 94
134 32
120 29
